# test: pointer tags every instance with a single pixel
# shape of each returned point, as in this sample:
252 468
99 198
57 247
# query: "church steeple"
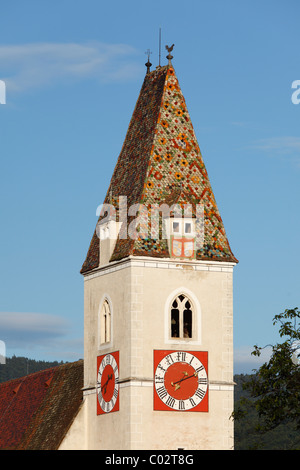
158 305
160 154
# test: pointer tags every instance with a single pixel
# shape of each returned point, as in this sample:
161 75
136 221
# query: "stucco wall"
139 291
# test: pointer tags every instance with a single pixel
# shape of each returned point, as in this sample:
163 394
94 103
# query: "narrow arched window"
181 317
105 323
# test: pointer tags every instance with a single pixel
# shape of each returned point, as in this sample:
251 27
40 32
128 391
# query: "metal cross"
148 64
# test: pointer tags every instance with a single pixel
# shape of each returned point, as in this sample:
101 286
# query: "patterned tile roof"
37 410
160 157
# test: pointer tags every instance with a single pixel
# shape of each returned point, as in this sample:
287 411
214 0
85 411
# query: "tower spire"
159 153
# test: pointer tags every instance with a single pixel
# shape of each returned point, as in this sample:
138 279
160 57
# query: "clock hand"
105 385
177 384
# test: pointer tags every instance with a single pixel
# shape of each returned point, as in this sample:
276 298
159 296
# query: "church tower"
158 314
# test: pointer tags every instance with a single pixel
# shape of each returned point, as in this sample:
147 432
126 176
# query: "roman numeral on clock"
181 405
192 402
202 381
170 401
181 355
169 359
159 380
162 392
199 393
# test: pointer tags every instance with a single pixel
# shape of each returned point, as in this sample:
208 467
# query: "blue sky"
73 70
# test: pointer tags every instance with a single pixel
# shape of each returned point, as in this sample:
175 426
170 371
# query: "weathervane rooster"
169 56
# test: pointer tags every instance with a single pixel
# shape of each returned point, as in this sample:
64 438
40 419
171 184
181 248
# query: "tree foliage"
274 390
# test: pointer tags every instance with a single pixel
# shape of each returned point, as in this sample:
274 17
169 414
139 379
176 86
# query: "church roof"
37 410
160 155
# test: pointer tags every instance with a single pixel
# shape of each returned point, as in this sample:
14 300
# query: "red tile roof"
37 410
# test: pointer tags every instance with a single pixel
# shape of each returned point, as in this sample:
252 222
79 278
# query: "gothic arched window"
181 317
105 323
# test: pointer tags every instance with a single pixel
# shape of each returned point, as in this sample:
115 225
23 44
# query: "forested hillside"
246 436
16 367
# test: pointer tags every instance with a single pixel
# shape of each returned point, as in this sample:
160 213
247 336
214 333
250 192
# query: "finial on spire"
159 47
148 64
169 56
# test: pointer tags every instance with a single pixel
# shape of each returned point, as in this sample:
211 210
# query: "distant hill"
16 367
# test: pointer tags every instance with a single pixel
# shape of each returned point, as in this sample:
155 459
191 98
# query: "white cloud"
245 363
38 335
33 325
286 148
282 145
42 64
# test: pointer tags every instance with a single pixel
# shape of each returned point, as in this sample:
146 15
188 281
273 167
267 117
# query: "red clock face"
181 380
108 383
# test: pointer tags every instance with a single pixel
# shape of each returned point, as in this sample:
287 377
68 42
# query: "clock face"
108 383
181 380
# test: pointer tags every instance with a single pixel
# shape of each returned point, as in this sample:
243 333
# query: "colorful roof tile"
161 155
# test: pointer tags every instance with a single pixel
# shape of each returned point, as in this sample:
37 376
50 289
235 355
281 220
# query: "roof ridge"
41 372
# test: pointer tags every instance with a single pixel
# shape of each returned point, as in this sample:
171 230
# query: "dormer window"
183 227
176 227
187 228
107 230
